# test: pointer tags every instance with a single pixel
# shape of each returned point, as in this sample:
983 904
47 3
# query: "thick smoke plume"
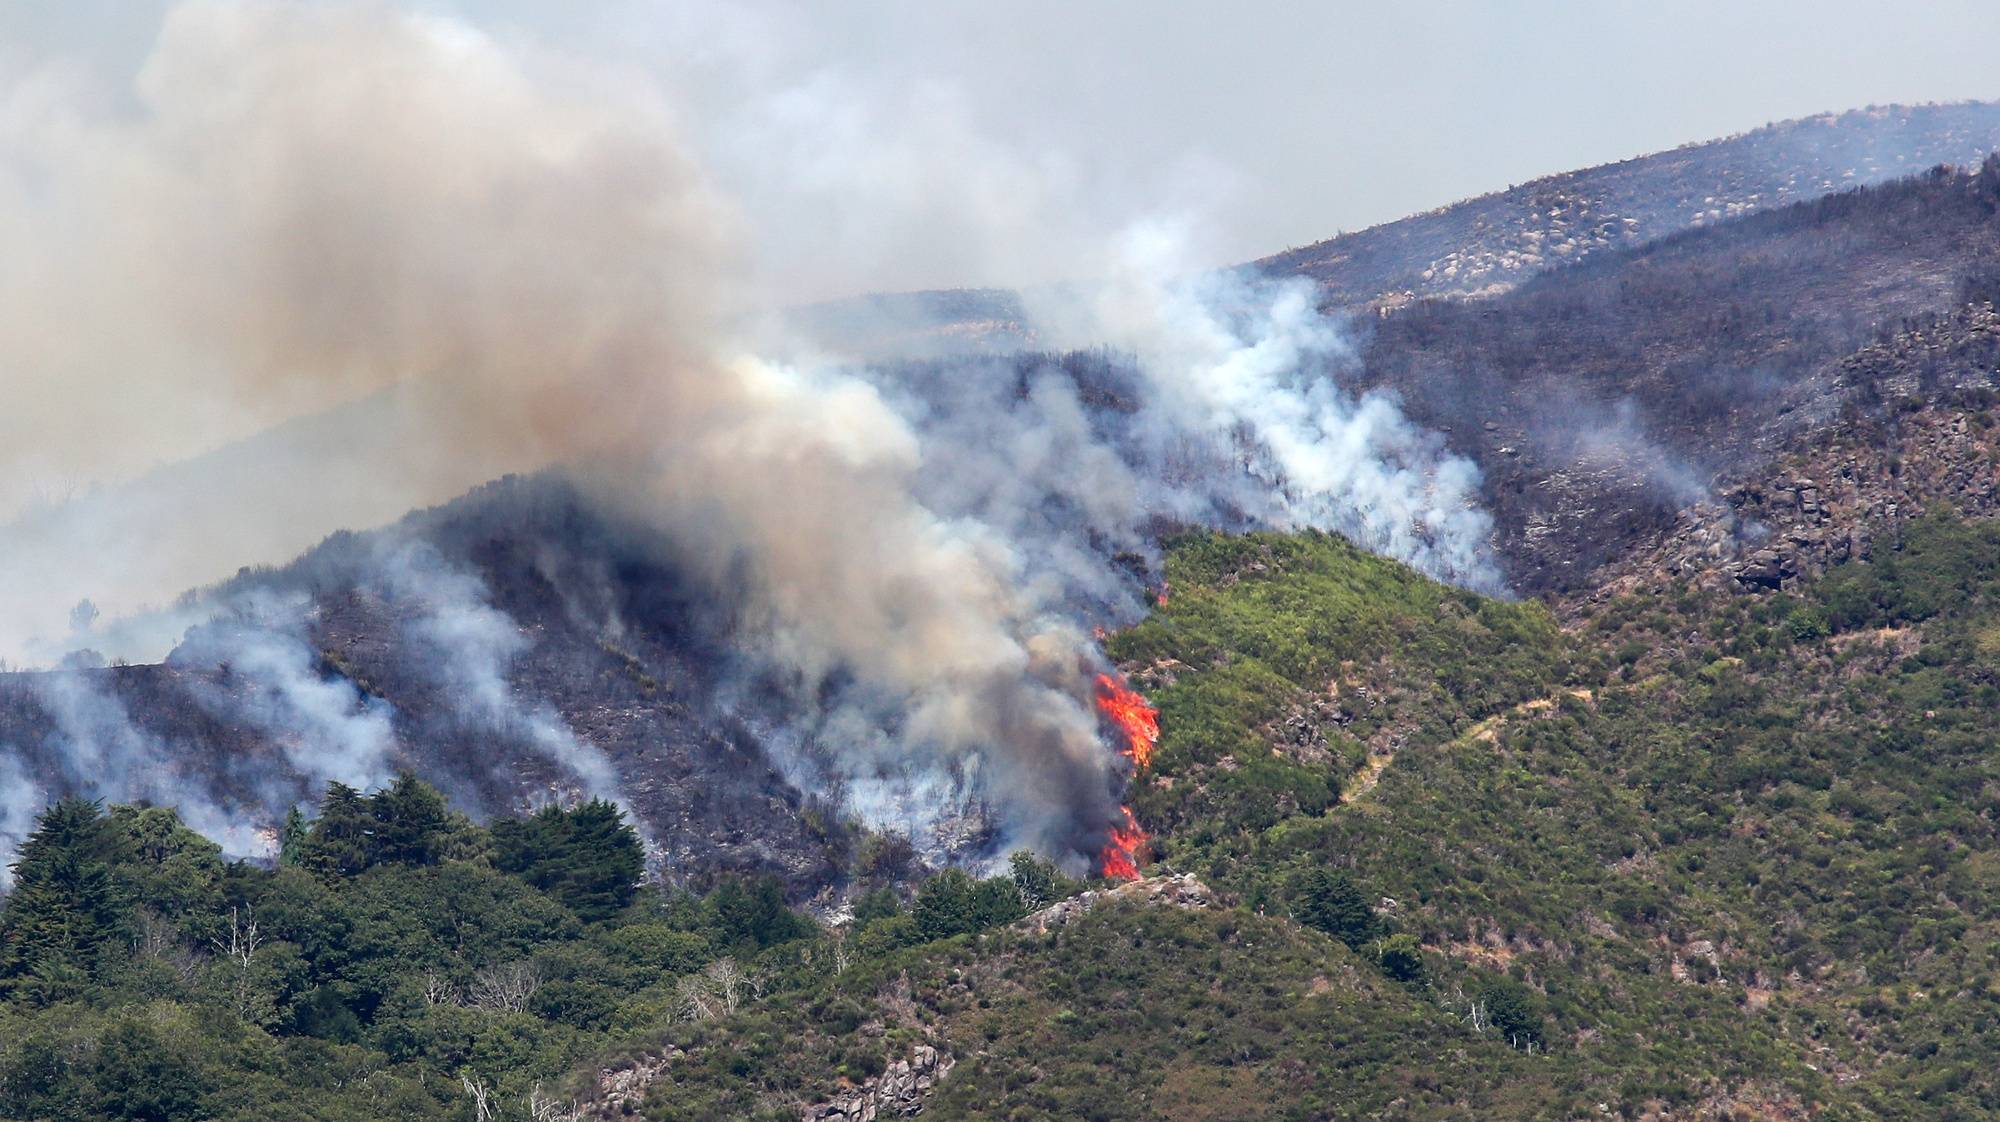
310 205
1251 366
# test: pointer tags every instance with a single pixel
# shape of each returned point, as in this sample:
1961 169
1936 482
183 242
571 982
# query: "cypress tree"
1332 902
67 902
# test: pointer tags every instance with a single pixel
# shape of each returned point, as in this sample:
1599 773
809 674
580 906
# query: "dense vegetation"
399 962
1282 657
1750 843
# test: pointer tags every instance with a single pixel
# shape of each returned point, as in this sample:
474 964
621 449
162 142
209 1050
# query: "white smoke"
265 674
21 799
1246 369
469 645
103 755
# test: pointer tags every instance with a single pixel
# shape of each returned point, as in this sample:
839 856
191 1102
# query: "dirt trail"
1484 732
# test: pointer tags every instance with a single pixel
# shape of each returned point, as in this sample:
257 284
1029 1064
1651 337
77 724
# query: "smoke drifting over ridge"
312 204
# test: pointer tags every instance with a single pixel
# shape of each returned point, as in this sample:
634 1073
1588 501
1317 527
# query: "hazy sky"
872 144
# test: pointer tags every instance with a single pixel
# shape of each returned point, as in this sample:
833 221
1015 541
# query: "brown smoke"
313 204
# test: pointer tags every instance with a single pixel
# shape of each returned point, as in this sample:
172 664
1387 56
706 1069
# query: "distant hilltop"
1497 240
1490 243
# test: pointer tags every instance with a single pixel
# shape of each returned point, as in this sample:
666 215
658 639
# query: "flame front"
1134 716
1140 723
1120 858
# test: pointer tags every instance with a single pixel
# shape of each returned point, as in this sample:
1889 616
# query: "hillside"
1701 822
1688 846
1733 845
1601 398
513 640
1601 402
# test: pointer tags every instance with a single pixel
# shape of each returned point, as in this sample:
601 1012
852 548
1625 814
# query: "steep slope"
1769 812
1600 398
1731 846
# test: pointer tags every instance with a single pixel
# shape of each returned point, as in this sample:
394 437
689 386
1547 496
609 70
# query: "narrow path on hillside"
1486 731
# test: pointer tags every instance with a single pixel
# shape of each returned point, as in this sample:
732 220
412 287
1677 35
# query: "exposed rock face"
1179 891
899 1092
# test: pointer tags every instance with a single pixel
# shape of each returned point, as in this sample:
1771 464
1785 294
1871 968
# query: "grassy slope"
1747 836
1304 641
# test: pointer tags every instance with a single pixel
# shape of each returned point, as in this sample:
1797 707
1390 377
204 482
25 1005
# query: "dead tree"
506 988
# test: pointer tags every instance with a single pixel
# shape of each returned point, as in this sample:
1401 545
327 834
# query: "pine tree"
589 858
410 821
293 837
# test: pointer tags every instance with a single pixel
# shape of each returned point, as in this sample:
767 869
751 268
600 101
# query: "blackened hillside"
1601 398
590 636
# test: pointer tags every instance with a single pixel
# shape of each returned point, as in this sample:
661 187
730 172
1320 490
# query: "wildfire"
1120 858
1160 597
1140 723
1134 716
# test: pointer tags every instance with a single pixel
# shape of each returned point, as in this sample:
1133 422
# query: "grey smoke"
1239 419
524 249
104 755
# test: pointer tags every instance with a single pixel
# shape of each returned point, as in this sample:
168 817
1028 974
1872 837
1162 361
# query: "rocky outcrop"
1179 891
620 1090
899 1092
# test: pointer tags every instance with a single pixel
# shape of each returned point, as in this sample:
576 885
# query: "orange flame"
1134 716
1160 598
1140 722
1120 858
